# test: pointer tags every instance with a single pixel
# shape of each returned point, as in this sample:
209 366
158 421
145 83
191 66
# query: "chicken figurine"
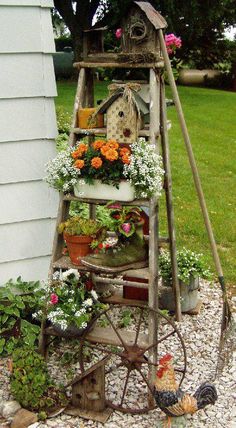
174 402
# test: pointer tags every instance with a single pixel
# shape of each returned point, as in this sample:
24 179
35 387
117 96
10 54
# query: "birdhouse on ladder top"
140 30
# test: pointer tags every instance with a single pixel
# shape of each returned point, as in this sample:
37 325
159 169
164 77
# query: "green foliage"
63 127
17 300
102 214
30 383
189 264
126 318
79 226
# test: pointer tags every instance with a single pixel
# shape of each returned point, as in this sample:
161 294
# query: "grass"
210 116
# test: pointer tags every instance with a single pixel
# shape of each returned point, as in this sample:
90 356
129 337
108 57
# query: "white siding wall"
27 131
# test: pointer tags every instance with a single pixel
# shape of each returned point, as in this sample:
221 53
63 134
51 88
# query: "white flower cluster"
145 170
61 174
65 275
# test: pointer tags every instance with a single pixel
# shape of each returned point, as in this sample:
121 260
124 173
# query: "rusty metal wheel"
121 332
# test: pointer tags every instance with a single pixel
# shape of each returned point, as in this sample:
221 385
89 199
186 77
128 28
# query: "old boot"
127 253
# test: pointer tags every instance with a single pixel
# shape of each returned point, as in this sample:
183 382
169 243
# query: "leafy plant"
189 264
30 383
17 300
79 226
126 318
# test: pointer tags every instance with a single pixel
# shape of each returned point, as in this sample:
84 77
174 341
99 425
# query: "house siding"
27 138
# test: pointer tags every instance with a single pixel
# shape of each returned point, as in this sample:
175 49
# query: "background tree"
200 23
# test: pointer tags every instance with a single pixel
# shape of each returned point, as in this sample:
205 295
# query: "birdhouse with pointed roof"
125 111
140 31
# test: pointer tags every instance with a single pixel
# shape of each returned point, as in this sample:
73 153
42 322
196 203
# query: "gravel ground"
201 336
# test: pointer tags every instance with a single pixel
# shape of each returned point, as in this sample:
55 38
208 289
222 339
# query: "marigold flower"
98 144
76 154
111 155
82 148
126 159
124 151
113 144
104 149
79 163
96 162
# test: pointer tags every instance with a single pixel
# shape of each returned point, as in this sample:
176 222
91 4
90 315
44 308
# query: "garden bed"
201 335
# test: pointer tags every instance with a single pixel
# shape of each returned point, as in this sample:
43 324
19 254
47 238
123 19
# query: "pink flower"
118 33
53 299
126 227
172 43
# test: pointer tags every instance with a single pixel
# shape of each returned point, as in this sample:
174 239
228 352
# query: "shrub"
30 382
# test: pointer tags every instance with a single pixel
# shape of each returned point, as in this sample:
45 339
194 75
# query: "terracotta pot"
78 247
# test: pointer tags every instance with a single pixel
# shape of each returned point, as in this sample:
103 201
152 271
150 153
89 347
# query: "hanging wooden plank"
169 204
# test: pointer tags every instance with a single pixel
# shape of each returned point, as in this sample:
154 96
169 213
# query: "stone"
23 419
35 425
10 408
179 422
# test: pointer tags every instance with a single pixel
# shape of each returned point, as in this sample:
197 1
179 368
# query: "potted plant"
129 251
70 305
108 170
191 267
79 234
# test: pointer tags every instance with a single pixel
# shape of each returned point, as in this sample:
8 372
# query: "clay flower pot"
78 247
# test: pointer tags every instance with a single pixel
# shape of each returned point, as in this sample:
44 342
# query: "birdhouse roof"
154 17
89 371
139 102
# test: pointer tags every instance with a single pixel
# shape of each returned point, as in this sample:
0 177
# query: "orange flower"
75 154
113 144
104 149
111 155
96 162
98 144
82 148
126 159
124 151
79 164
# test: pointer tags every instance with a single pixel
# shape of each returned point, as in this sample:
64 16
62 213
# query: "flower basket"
78 247
73 331
99 190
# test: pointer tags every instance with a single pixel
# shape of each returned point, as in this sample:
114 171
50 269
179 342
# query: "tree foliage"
199 23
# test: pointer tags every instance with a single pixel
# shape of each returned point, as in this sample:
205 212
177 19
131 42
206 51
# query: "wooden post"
153 229
169 204
79 102
58 242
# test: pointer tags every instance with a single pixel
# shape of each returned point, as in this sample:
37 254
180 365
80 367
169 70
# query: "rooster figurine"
174 402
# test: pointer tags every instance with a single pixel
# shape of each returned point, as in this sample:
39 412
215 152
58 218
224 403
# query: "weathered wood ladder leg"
169 199
153 232
83 95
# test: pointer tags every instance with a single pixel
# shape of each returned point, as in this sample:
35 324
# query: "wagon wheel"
132 357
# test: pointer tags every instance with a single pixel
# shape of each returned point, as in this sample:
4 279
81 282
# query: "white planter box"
108 192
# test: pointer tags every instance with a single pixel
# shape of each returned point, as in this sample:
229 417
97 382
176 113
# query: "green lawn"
210 115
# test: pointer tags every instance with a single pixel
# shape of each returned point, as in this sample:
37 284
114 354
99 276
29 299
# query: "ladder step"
139 202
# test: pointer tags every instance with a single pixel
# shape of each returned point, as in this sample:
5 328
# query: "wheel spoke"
117 366
116 331
160 340
125 387
144 378
101 349
139 325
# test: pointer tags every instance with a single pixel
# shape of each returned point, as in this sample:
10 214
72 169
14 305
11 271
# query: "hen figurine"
174 402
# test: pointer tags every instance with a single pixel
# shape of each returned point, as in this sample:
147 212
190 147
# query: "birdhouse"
140 31
93 41
125 111
88 394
